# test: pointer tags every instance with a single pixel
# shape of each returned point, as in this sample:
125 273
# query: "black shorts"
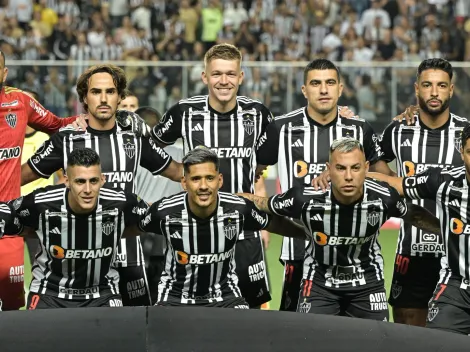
251 271
156 264
414 280
370 302
293 270
234 302
40 301
449 309
133 286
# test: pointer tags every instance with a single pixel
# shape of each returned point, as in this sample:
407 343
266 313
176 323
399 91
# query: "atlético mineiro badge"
129 149
248 124
107 227
373 218
11 119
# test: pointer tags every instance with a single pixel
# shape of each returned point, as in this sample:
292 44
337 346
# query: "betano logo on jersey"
302 169
232 153
59 252
118 176
323 239
202 259
410 168
10 153
458 227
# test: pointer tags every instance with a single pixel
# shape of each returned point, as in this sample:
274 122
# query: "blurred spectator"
22 10
366 100
369 16
331 44
117 10
430 32
189 16
235 13
212 21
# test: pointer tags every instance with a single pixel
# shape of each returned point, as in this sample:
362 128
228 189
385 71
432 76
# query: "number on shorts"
402 264
34 302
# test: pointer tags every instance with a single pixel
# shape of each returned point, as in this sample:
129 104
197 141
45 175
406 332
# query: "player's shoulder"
69 130
459 121
50 193
247 104
230 199
197 103
171 204
450 173
113 193
356 121
296 116
13 91
379 188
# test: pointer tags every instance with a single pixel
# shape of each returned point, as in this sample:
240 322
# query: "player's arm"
395 182
168 130
255 219
135 208
267 148
412 213
44 162
158 162
19 216
373 151
260 190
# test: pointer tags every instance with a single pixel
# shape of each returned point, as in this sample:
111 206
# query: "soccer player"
201 227
433 139
449 307
100 89
298 143
343 269
79 225
129 103
16 111
230 125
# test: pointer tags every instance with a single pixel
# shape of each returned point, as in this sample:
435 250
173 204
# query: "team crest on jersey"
107 227
129 149
432 312
248 123
458 142
373 218
396 290
305 307
11 119
230 228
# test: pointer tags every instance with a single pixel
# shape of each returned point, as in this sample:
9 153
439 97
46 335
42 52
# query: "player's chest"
12 123
241 129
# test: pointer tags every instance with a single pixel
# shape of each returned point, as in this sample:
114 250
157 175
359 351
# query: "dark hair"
2 55
119 79
465 135
32 92
435 64
320 64
148 110
200 155
128 93
83 157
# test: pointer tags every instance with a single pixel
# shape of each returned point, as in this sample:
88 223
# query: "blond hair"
223 51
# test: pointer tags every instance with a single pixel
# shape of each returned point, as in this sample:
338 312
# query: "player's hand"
346 112
136 123
322 181
265 237
80 123
244 195
410 115
5 217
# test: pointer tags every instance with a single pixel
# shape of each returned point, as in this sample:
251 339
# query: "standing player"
79 225
100 88
432 140
201 227
449 307
16 111
129 103
230 125
298 142
343 269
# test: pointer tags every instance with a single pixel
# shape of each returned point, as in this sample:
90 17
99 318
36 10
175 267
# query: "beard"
433 112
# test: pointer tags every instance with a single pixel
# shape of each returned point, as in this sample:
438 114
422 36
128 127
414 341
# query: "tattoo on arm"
260 202
422 218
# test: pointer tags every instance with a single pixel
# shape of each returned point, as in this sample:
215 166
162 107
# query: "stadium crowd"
264 30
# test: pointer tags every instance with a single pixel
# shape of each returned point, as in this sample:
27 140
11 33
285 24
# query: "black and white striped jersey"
344 251
232 135
200 264
415 148
76 250
449 188
121 152
300 147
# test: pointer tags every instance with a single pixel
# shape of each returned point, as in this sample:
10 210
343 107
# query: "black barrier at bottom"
210 329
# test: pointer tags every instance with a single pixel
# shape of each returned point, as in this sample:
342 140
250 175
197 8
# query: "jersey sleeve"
150 221
48 158
41 119
372 148
24 212
423 185
254 219
386 144
396 205
135 208
290 203
154 158
168 130
268 145
266 117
